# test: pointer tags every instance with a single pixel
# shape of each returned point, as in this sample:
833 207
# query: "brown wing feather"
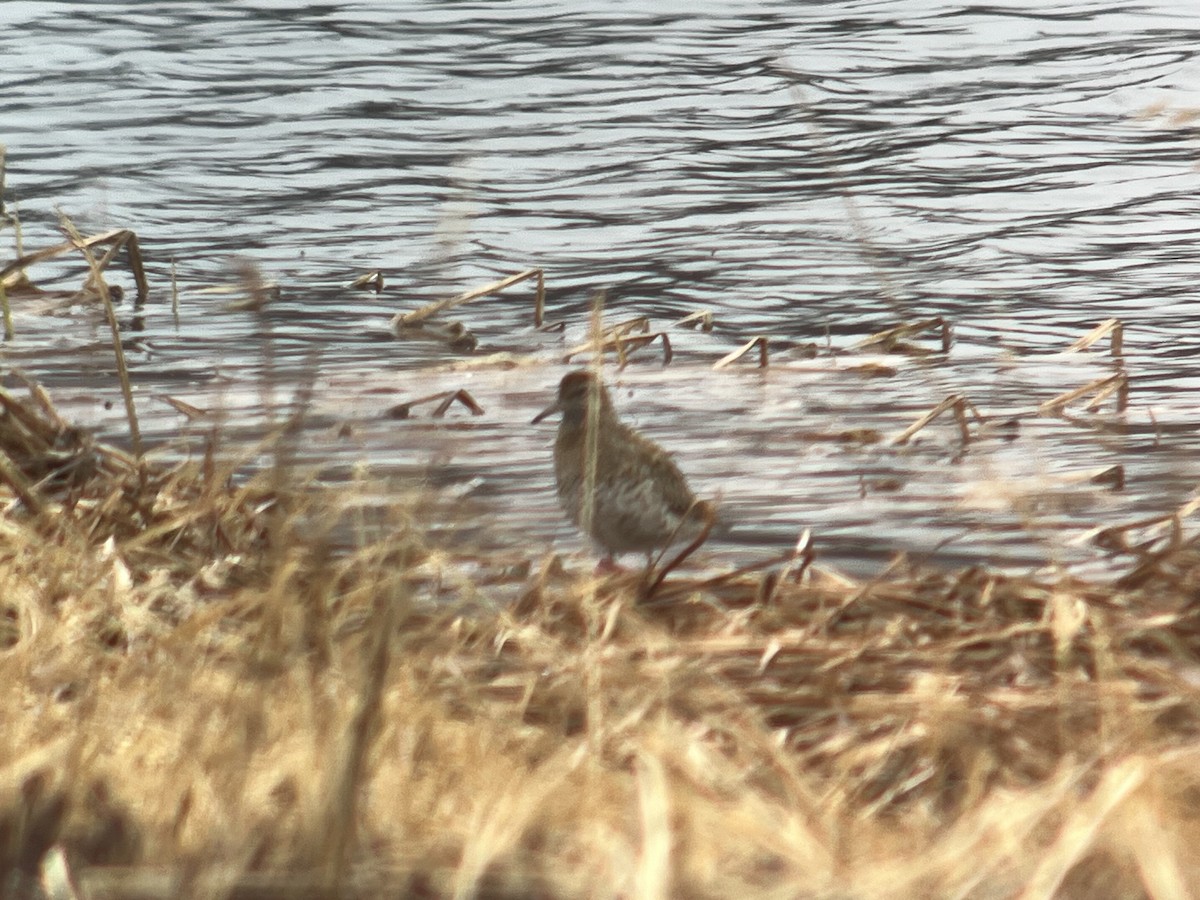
670 483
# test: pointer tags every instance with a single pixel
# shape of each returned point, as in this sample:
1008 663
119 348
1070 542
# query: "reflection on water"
808 171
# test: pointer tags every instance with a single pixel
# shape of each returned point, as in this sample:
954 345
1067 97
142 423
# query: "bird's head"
576 392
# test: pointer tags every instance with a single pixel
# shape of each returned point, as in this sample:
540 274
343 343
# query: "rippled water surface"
814 172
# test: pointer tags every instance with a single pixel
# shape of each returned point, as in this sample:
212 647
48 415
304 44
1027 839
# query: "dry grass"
203 699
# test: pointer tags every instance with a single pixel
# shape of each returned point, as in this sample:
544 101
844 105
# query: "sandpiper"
639 500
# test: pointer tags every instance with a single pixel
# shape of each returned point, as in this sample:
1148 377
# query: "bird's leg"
708 518
608 566
647 575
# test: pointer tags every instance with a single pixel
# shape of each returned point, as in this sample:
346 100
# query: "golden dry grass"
203 699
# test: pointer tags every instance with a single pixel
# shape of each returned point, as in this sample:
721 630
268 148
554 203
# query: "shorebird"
638 498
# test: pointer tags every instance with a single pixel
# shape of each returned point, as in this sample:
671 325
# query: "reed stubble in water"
620 488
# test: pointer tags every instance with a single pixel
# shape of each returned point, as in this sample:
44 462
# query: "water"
814 172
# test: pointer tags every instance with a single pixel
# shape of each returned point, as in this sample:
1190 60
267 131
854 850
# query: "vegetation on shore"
203 698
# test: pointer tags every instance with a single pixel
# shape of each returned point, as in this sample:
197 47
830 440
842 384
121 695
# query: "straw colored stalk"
13 274
429 310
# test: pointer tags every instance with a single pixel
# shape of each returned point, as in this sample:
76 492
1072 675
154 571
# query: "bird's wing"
668 482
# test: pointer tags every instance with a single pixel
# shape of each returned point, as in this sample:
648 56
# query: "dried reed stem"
6 309
591 436
405 320
701 318
446 400
1103 386
1115 327
761 342
889 339
119 238
623 344
955 402
97 280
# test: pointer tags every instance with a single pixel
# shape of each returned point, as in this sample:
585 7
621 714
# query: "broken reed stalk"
631 334
630 326
623 344
446 398
369 281
1104 387
764 357
1115 327
1118 386
960 417
1115 536
97 280
958 403
405 320
119 238
701 318
802 559
889 338
1110 476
